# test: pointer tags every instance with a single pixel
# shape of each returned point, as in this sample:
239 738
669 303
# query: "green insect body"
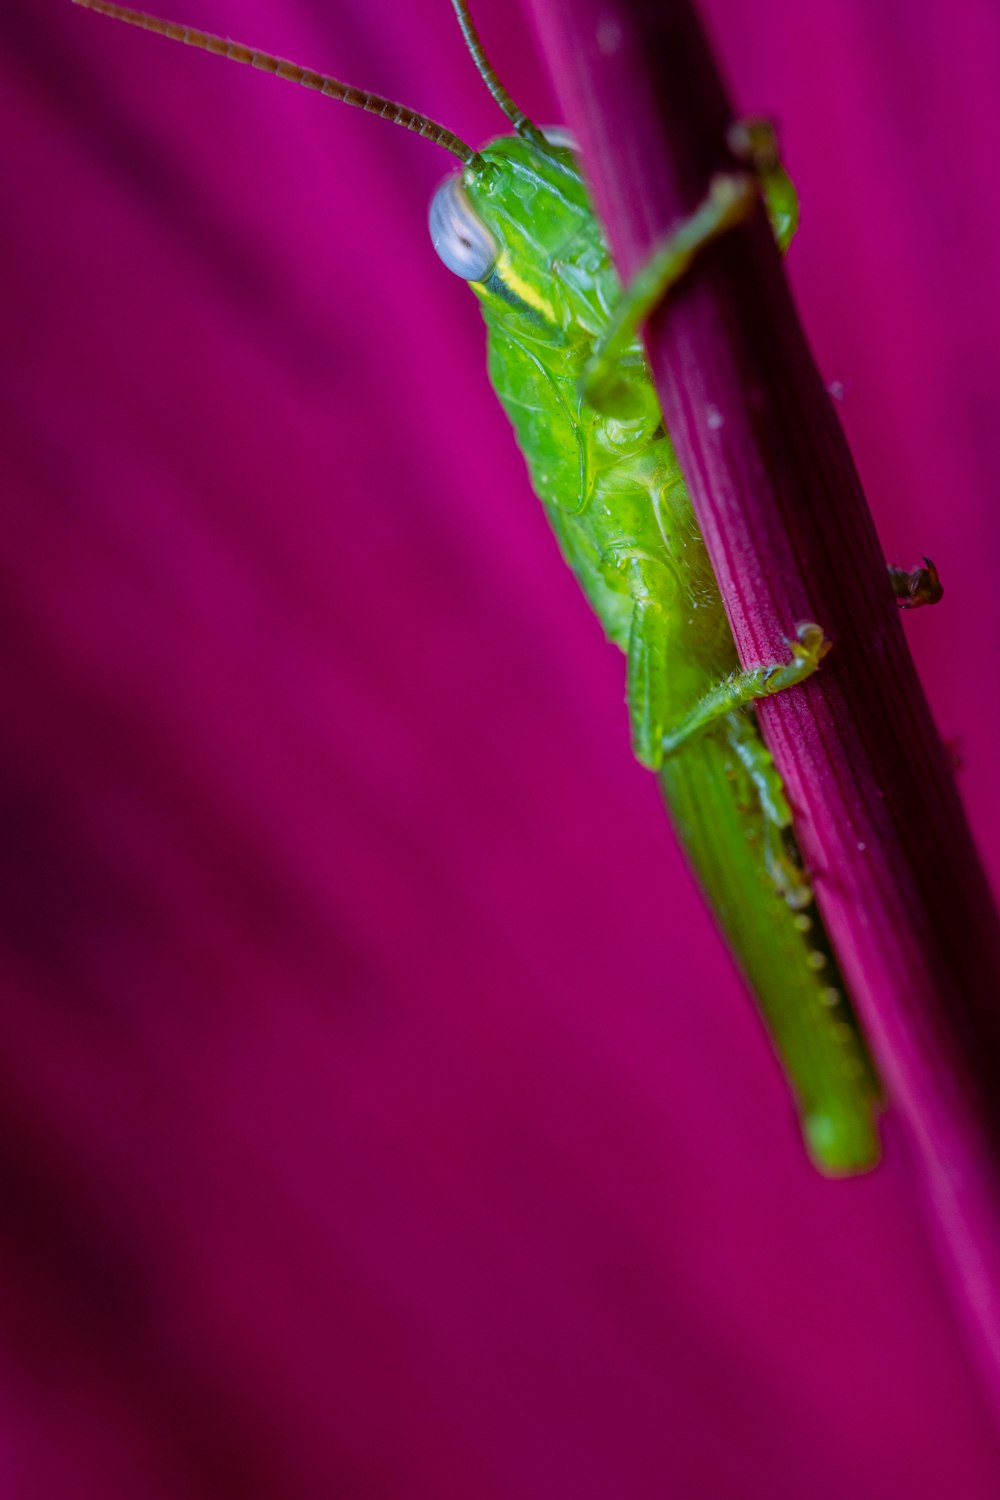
566 363
618 504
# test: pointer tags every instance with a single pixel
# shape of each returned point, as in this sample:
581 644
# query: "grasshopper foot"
916 586
754 142
810 644
808 649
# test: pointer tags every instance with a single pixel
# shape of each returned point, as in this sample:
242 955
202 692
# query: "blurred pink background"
379 1115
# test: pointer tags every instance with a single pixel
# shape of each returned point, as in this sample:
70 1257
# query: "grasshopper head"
501 223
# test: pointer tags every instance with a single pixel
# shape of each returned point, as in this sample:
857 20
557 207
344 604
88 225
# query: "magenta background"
379 1116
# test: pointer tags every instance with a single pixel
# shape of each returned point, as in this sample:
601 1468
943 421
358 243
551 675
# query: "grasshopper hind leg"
838 1091
780 853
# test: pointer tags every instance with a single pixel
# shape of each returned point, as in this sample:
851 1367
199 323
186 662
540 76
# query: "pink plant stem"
898 880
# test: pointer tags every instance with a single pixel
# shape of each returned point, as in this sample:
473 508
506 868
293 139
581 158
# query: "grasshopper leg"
754 141
647 681
916 586
808 650
788 876
730 200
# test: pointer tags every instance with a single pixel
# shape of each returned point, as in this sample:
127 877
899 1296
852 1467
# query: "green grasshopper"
566 362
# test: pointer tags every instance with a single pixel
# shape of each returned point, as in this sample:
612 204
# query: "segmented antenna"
518 119
321 82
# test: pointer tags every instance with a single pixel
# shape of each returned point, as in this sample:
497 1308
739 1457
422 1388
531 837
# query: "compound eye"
458 233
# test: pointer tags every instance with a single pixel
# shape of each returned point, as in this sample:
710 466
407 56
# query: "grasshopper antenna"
487 73
399 114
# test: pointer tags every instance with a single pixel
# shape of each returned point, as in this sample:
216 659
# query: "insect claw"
811 644
916 586
754 141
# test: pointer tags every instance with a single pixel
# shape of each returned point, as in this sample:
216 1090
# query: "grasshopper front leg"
754 141
729 201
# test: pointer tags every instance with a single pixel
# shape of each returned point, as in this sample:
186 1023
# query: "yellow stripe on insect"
504 269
